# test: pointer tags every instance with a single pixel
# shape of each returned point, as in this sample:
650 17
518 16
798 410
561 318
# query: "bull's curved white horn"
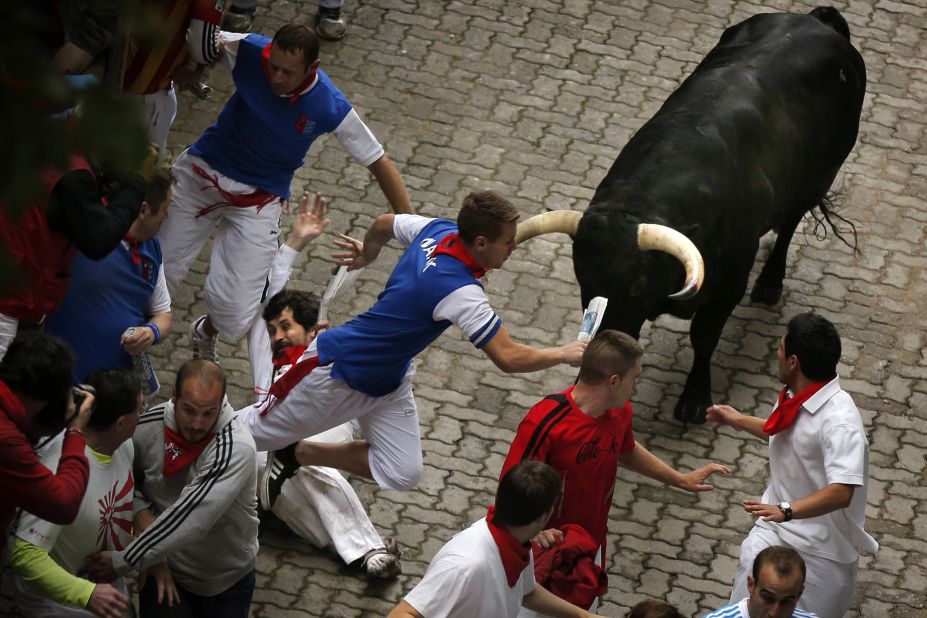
653 237
565 221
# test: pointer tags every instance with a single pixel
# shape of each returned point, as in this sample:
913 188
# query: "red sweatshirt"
25 483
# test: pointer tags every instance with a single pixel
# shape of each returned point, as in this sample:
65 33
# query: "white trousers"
8 327
319 505
320 402
829 585
160 109
243 248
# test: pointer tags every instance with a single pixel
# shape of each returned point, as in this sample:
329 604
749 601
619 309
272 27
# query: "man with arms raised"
317 502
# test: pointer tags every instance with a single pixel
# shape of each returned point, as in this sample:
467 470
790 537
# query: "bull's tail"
832 17
825 218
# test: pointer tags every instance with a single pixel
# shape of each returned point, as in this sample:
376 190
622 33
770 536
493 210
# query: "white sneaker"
329 24
203 345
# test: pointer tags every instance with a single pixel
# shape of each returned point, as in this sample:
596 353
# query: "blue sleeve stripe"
731 611
487 332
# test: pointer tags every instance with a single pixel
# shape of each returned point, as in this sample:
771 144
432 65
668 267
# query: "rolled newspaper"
592 318
340 280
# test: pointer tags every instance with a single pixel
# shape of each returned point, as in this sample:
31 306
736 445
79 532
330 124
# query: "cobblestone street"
535 98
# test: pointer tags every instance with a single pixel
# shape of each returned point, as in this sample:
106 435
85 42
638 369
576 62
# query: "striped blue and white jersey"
740 611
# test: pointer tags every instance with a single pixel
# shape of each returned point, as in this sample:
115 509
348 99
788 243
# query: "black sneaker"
238 19
281 465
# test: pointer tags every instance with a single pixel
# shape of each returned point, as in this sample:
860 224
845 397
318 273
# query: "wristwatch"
786 507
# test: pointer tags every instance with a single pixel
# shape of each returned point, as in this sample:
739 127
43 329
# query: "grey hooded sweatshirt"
207 522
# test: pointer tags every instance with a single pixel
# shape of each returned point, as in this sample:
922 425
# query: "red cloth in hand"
568 569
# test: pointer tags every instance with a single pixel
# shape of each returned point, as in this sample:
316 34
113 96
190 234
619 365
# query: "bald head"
203 370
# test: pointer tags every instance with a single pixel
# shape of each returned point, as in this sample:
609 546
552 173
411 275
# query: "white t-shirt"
103 522
466 580
826 444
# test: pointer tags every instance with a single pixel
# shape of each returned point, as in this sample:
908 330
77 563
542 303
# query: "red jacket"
25 483
43 256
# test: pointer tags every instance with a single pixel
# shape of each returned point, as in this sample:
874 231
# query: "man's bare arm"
391 184
512 357
404 610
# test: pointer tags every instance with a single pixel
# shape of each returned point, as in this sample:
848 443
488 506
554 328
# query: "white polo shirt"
466 580
826 444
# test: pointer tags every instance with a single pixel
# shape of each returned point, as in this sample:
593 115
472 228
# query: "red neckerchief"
13 407
133 243
788 408
265 58
282 387
289 356
238 200
180 453
452 246
515 555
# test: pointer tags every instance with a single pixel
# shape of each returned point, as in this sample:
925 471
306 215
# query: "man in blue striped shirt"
777 583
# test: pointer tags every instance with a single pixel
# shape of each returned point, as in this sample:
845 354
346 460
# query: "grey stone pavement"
535 98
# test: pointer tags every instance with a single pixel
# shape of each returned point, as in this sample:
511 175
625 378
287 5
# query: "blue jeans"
232 603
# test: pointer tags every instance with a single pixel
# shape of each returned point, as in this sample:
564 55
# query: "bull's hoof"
690 412
766 294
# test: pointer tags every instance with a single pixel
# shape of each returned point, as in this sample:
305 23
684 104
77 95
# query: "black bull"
750 142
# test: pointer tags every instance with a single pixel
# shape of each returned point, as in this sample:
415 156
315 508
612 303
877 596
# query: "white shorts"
243 248
829 585
320 402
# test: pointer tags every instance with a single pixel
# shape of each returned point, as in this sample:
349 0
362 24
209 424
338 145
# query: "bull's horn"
652 237
565 221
